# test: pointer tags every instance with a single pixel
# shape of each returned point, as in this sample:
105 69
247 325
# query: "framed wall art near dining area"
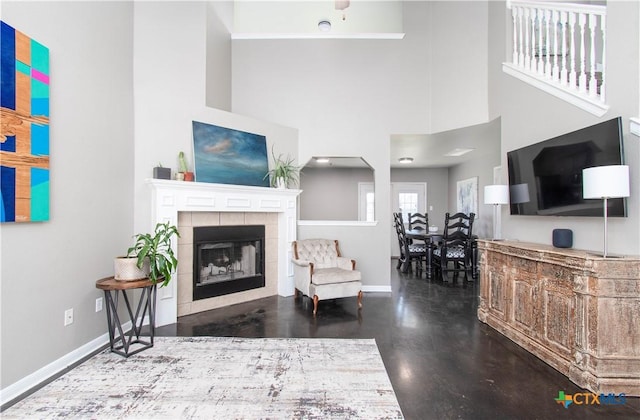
467 196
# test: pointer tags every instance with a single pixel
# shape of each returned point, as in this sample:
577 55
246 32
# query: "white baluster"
582 79
547 62
520 50
540 49
604 55
572 55
533 39
555 73
593 83
514 15
563 71
527 56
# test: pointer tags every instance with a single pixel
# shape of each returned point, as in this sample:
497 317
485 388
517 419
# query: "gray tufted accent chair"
321 273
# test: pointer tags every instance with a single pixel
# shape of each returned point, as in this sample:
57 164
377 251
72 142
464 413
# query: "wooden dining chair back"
398 224
418 221
455 250
411 250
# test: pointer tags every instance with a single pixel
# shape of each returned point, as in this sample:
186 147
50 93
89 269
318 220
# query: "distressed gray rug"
223 378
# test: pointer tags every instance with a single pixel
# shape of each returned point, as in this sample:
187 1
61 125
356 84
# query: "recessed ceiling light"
324 26
405 160
322 160
459 152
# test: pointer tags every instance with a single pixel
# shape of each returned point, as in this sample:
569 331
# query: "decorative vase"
188 176
179 176
281 183
126 269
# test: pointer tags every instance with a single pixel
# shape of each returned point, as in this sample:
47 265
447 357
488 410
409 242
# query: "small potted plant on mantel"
284 172
151 256
184 170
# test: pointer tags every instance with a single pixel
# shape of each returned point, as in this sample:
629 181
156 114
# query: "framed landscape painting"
227 156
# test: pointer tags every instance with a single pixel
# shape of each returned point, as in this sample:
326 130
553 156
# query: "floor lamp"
496 195
603 182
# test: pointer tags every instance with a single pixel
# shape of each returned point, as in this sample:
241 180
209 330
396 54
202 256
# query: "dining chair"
455 250
419 221
411 250
398 223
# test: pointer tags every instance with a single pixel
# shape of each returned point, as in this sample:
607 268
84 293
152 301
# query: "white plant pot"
281 183
126 269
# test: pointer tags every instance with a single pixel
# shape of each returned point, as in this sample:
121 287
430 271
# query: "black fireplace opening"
227 259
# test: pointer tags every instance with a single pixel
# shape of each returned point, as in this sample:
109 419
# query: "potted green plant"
184 169
283 172
151 254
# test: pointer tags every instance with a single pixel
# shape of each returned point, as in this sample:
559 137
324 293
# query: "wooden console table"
119 340
575 310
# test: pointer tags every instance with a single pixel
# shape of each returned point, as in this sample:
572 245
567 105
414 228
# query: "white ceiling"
428 150
299 19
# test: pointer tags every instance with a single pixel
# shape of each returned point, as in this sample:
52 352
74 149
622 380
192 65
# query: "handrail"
562 46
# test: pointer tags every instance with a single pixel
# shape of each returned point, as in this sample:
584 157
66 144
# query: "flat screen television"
545 179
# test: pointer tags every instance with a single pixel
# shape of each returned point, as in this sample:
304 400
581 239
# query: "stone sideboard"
575 310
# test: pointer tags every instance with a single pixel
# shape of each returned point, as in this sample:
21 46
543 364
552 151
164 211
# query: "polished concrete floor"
443 363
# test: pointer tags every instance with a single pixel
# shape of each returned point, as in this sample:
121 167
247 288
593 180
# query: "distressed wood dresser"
575 310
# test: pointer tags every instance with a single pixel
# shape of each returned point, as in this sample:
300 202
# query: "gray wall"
481 167
219 22
331 193
348 96
52 266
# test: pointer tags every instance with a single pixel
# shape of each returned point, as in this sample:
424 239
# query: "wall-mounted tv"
545 179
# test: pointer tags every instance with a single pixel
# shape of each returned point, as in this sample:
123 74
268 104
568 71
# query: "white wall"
52 266
530 116
459 93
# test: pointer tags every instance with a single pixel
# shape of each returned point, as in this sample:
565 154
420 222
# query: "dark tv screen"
545 179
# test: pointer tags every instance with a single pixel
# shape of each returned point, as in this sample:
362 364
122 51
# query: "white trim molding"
353 223
376 289
634 126
593 106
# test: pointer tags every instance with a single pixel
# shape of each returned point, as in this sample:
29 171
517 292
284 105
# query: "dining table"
434 238
430 238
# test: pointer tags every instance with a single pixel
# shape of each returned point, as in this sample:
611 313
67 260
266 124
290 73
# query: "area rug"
223 378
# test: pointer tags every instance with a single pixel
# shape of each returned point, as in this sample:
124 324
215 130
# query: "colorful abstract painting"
227 156
24 128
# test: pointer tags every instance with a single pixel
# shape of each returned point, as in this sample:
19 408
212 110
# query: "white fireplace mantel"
170 197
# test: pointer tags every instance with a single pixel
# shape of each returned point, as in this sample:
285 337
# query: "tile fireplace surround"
188 204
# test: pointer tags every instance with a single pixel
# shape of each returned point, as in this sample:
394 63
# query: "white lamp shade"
496 194
605 181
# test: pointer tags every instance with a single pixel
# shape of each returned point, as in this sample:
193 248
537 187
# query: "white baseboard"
377 289
31 381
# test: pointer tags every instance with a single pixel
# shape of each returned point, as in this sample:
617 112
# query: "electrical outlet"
98 304
68 317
